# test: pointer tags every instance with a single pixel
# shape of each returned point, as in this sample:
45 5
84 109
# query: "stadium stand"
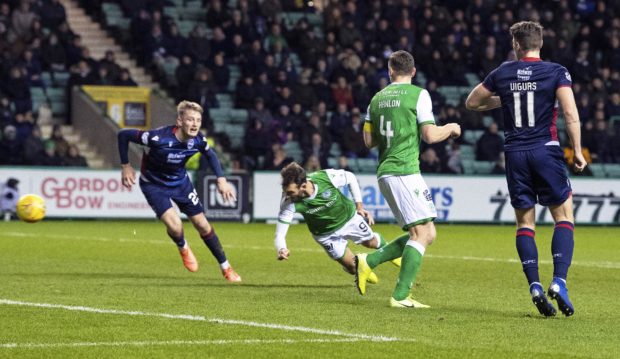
316 53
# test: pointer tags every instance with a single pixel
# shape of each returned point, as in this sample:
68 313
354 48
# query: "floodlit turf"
103 289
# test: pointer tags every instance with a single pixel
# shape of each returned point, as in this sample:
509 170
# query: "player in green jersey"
397 118
332 218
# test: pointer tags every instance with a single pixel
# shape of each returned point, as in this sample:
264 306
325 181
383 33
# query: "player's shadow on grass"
497 312
92 275
211 283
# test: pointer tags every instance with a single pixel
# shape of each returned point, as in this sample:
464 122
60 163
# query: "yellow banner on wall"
127 106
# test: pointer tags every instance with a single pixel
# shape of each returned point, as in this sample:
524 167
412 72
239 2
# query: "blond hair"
188 106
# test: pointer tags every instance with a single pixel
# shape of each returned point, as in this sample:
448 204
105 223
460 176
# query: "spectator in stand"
304 93
312 164
23 124
361 92
353 140
338 122
16 87
10 147
33 147
277 158
103 77
317 148
21 21
50 156
343 163
453 162
32 67
125 79
53 54
500 165
600 146
257 142
6 113
53 14
612 107
61 146
275 36
175 45
219 42
217 15
265 89
110 64
184 74
342 93
490 144
283 98
245 92
261 113
430 162
221 73
73 158
198 46
202 90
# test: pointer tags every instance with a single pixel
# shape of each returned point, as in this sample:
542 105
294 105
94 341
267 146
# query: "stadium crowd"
309 82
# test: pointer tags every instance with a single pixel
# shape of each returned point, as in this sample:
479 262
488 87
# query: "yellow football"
31 208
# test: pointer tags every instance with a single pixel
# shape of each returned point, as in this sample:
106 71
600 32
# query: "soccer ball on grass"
31 208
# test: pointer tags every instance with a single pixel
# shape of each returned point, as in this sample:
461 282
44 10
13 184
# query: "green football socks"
412 260
388 252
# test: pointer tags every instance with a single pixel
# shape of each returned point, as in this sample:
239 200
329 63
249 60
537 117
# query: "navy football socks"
214 245
562 246
526 247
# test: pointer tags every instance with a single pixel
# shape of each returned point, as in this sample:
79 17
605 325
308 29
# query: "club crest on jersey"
326 194
190 144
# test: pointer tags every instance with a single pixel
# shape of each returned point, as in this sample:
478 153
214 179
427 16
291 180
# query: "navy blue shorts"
537 176
160 197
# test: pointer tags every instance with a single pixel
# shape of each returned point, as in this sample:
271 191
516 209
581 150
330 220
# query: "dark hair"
401 63
293 173
528 34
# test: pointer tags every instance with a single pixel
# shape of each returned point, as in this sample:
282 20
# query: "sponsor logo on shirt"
524 74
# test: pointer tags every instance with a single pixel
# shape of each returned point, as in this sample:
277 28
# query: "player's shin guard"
178 240
412 260
562 246
388 252
214 245
528 253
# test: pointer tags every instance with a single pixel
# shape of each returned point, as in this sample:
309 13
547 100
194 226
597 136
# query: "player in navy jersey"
528 91
163 180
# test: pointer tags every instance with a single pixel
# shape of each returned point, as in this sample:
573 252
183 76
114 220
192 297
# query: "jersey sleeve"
489 81
424 109
367 117
337 177
287 210
563 77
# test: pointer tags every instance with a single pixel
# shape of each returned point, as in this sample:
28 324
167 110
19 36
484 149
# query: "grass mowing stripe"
175 342
201 318
590 264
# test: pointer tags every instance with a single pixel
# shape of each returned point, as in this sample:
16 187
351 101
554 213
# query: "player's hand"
226 190
128 175
364 213
455 130
283 254
580 161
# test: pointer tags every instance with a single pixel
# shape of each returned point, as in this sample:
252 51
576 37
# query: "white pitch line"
174 342
289 328
590 264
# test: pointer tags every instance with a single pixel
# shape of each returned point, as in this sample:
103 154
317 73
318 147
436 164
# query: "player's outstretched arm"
432 133
223 186
128 175
287 211
356 193
481 99
566 98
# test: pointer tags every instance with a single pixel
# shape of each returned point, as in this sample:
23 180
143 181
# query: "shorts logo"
190 144
145 138
326 194
417 192
427 195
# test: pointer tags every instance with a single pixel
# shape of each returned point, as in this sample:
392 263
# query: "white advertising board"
463 199
81 193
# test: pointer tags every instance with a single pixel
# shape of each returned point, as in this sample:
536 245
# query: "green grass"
470 277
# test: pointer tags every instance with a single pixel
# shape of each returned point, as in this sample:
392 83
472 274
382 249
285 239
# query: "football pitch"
118 289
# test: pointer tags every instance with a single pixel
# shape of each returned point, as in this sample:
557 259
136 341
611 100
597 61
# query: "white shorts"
409 199
335 244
